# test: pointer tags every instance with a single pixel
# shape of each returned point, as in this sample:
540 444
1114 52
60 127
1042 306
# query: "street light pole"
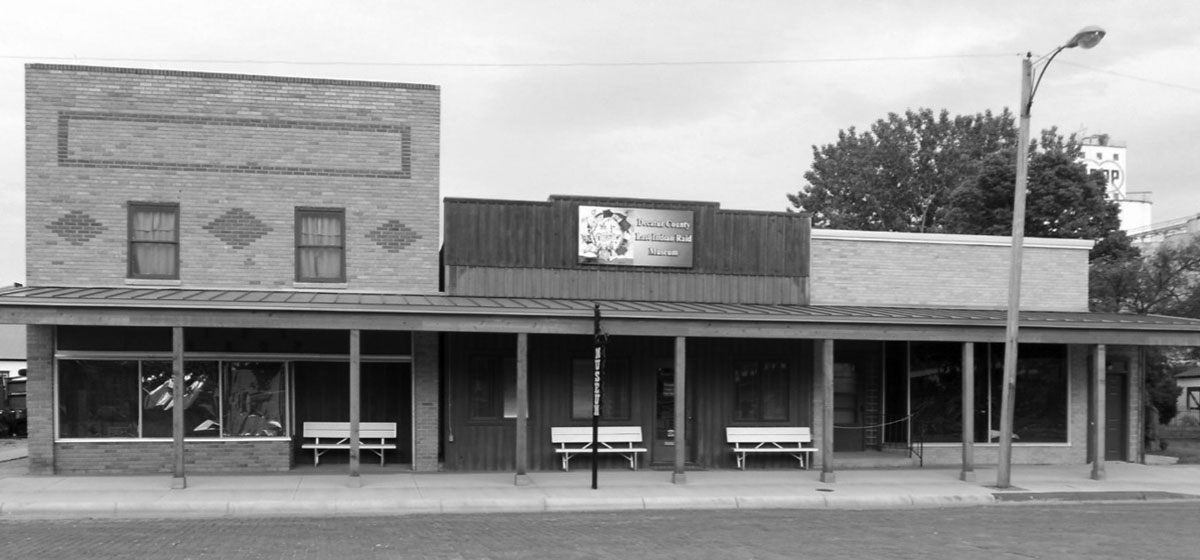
1087 38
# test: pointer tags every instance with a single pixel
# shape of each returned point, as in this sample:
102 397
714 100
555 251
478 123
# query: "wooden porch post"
1098 401
680 476
355 405
968 412
179 480
522 442
825 366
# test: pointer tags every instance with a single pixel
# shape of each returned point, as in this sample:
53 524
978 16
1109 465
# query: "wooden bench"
794 441
622 440
372 436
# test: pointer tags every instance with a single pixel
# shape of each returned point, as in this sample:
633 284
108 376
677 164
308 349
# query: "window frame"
222 396
305 211
499 373
760 386
616 388
133 208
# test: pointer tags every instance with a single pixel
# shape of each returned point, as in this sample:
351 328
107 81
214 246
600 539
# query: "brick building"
271 245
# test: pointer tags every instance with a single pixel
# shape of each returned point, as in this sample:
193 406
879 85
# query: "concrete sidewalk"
325 493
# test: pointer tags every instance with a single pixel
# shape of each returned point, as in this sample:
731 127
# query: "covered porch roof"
168 307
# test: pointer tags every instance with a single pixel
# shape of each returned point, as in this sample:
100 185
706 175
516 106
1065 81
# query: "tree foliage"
935 173
1164 281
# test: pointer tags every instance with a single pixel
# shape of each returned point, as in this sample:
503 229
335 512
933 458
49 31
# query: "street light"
1086 38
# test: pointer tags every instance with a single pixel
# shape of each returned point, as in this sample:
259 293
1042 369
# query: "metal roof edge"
948 239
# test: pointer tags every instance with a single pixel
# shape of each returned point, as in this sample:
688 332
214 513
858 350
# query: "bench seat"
792 440
623 440
326 436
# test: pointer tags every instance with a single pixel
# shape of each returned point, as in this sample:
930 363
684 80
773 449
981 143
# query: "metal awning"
146 306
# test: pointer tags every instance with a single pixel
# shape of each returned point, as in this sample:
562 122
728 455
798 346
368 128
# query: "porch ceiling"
142 306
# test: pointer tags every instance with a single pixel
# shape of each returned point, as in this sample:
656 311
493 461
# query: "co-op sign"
635 236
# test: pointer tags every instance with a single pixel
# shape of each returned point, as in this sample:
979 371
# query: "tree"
918 172
1165 281
898 176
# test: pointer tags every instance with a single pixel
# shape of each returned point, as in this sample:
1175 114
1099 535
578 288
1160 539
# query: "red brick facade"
238 154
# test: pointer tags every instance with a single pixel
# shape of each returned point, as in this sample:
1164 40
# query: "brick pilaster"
426 406
40 397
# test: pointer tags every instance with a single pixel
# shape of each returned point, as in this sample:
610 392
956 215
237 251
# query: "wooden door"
1116 418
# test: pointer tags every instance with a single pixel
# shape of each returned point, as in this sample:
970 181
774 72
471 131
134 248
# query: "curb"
1098 496
183 507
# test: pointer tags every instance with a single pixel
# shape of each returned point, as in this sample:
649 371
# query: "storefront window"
935 385
492 388
131 399
254 399
614 389
760 391
1040 409
200 405
98 399
158 400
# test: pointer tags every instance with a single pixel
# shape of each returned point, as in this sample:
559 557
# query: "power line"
1140 79
782 61
593 64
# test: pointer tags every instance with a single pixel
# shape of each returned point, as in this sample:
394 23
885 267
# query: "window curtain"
321 246
154 242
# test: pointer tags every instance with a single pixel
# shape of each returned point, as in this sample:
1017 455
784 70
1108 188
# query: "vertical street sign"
597 371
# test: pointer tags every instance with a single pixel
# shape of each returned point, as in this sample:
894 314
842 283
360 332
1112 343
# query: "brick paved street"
1093 531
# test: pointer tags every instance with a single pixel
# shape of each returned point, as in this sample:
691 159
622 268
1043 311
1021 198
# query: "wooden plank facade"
476 443
530 249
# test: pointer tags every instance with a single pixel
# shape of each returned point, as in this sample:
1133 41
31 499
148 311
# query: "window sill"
230 439
152 282
320 285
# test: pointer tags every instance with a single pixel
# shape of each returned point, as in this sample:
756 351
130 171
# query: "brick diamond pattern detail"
393 236
238 228
76 227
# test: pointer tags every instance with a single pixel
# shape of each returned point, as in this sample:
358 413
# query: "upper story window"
320 245
153 240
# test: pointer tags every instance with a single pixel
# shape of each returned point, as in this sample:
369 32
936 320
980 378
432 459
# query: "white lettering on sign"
596 386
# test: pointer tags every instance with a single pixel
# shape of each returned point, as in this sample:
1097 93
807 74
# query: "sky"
718 101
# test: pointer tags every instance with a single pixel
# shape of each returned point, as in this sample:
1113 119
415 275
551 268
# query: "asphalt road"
1093 531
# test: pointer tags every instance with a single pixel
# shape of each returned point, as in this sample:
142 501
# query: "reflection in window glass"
201 400
614 389
254 399
158 399
760 390
1040 409
935 384
1040 414
492 388
201 408
98 399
